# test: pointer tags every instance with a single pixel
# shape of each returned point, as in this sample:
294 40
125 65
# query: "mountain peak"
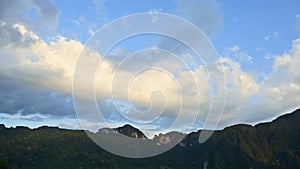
130 131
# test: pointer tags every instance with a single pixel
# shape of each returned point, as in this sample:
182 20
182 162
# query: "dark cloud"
16 97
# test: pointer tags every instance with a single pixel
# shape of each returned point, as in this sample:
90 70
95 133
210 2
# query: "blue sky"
257 41
259 28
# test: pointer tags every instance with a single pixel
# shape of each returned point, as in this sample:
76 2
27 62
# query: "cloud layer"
37 75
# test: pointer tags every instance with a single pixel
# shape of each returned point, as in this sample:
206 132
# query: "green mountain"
274 145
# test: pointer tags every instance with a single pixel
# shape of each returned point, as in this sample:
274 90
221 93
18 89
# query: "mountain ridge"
267 145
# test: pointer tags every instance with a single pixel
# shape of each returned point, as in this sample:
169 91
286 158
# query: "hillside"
264 146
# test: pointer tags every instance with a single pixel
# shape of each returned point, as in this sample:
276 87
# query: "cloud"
205 14
274 96
32 117
274 35
101 13
243 57
36 15
28 60
297 23
19 97
288 62
36 78
99 7
234 48
26 57
236 53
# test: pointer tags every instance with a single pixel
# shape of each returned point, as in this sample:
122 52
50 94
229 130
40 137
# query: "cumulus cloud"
33 73
274 96
26 57
37 75
35 64
247 99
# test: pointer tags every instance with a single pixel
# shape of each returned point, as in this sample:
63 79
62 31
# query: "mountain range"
272 145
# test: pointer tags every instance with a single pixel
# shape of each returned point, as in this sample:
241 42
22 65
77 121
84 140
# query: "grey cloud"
297 23
16 97
11 35
18 11
205 14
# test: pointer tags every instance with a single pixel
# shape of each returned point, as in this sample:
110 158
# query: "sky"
257 42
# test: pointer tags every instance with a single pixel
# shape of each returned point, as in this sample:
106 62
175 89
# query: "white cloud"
80 20
34 74
269 57
30 59
43 72
243 57
258 49
236 53
277 94
234 48
99 7
274 35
